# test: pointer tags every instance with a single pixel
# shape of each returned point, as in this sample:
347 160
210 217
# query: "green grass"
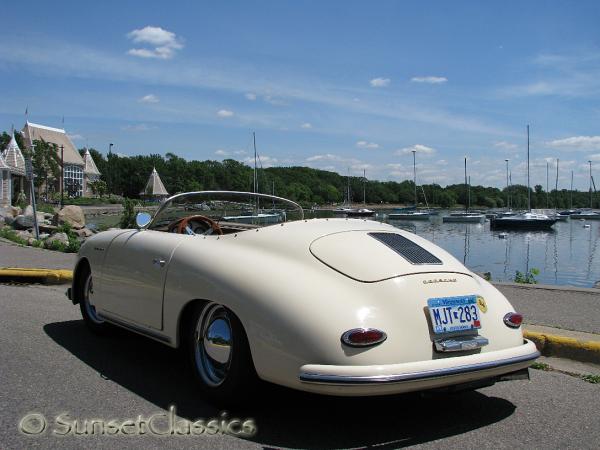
11 235
594 379
540 366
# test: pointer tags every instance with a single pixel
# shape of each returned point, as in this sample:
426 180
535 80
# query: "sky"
345 86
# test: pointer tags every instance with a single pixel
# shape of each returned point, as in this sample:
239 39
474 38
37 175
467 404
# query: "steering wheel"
195 225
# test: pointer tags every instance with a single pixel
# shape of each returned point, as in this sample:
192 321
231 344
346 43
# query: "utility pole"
571 193
365 187
507 190
547 182
528 188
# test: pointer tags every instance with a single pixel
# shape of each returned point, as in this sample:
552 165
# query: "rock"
6 211
28 211
23 234
44 236
47 228
8 220
84 233
23 222
57 237
48 216
32 241
71 214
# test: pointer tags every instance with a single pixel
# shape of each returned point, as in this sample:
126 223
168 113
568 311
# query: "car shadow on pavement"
284 417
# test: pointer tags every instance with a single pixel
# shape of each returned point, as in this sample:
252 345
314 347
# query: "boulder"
44 236
23 222
24 234
60 237
71 214
6 211
84 233
8 220
28 211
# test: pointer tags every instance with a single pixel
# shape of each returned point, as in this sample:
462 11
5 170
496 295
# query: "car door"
133 276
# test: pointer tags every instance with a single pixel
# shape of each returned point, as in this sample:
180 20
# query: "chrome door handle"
159 262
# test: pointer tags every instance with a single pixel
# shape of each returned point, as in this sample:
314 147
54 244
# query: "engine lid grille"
406 248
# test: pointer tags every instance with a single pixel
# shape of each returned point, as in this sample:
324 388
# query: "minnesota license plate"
450 314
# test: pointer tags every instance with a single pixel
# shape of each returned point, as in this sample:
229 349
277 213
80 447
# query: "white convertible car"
253 290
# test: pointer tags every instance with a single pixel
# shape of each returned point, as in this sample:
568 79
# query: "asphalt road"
50 365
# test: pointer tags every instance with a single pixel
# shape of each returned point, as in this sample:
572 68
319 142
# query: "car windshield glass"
227 207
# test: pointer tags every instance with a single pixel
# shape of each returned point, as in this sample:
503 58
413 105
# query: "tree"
46 165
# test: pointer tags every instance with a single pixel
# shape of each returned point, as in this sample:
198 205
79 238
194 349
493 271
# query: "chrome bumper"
317 378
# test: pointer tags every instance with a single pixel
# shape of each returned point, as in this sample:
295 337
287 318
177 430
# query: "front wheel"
220 354
86 303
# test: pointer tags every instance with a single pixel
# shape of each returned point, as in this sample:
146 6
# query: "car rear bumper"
398 378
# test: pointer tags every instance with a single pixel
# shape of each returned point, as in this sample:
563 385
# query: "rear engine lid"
371 256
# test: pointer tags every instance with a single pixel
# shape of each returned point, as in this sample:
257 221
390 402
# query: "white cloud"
138 127
75 137
250 96
265 161
306 126
224 113
163 44
419 148
326 157
429 80
380 82
222 152
595 157
240 152
150 98
365 144
505 145
576 143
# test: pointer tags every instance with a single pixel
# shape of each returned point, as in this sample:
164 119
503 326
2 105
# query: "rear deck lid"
371 256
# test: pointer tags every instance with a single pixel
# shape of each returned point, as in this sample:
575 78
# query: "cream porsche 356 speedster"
253 290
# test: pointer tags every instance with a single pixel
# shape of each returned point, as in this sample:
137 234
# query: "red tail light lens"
363 337
513 320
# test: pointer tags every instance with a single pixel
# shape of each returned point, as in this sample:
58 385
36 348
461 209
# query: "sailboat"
256 215
466 216
527 220
347 209
411 212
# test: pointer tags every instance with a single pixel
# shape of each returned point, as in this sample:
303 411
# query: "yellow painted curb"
48 276
554 345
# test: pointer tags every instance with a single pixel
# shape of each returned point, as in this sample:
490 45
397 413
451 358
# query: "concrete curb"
565 347
29 275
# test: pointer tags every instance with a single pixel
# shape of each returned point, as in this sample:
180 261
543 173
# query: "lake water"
568 255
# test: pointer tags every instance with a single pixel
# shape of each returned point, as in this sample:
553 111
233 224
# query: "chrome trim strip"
414 376
136 329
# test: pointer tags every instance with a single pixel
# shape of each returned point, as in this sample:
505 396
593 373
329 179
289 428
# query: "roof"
34 131
13 157
3 165
154 186
90 166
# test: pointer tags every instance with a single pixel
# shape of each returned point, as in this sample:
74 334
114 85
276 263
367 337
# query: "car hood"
371 256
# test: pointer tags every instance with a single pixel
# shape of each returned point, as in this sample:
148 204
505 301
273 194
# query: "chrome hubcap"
213 344
88 293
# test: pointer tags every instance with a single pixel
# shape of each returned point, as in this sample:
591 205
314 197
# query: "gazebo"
155 189
13 180
5 194
90 171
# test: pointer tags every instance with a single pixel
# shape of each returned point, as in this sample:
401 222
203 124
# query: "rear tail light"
513 320
363 337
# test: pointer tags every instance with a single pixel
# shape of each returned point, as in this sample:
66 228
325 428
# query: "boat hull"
507 223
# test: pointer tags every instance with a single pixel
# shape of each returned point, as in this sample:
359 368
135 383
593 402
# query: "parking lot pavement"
13 255
51 365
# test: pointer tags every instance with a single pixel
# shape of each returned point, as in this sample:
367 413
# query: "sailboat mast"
365 187
255 179
556 185
414 152
591 203
528 189
467 190
547 182
571 193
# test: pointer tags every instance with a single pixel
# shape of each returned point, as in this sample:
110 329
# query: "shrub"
527 277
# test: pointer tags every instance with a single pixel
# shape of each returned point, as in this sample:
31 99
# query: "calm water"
568 255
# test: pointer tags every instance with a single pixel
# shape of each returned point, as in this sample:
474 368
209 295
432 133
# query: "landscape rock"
23 222
47 228
48 216
71 214
28 211
8 220
31 241
60 237
23 234
84 233
44 236
6 211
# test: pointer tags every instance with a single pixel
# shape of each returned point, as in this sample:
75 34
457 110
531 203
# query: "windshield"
227 207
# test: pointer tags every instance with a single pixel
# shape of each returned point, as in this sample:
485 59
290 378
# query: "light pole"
507 191
590 163
62 176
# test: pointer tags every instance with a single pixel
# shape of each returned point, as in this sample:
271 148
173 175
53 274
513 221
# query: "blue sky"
338 85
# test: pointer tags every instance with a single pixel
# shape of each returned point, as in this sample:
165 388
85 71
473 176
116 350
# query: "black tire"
220 355
91 319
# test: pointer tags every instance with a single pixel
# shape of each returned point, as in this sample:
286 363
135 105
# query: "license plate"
450 314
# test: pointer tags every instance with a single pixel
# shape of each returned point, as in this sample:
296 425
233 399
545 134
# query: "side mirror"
142 219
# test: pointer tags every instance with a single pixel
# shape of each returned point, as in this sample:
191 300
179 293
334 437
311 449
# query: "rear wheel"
86 303
220 354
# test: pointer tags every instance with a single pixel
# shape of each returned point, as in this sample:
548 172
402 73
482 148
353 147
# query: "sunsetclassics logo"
440 280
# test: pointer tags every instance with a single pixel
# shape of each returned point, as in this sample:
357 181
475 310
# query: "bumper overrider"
421 375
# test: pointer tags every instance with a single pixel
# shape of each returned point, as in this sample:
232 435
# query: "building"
12 173
77 170
155 189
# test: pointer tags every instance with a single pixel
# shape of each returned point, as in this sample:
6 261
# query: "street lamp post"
109 174
414 152
591 203
62 176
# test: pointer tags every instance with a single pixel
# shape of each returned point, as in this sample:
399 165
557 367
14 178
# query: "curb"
28 275
565 347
